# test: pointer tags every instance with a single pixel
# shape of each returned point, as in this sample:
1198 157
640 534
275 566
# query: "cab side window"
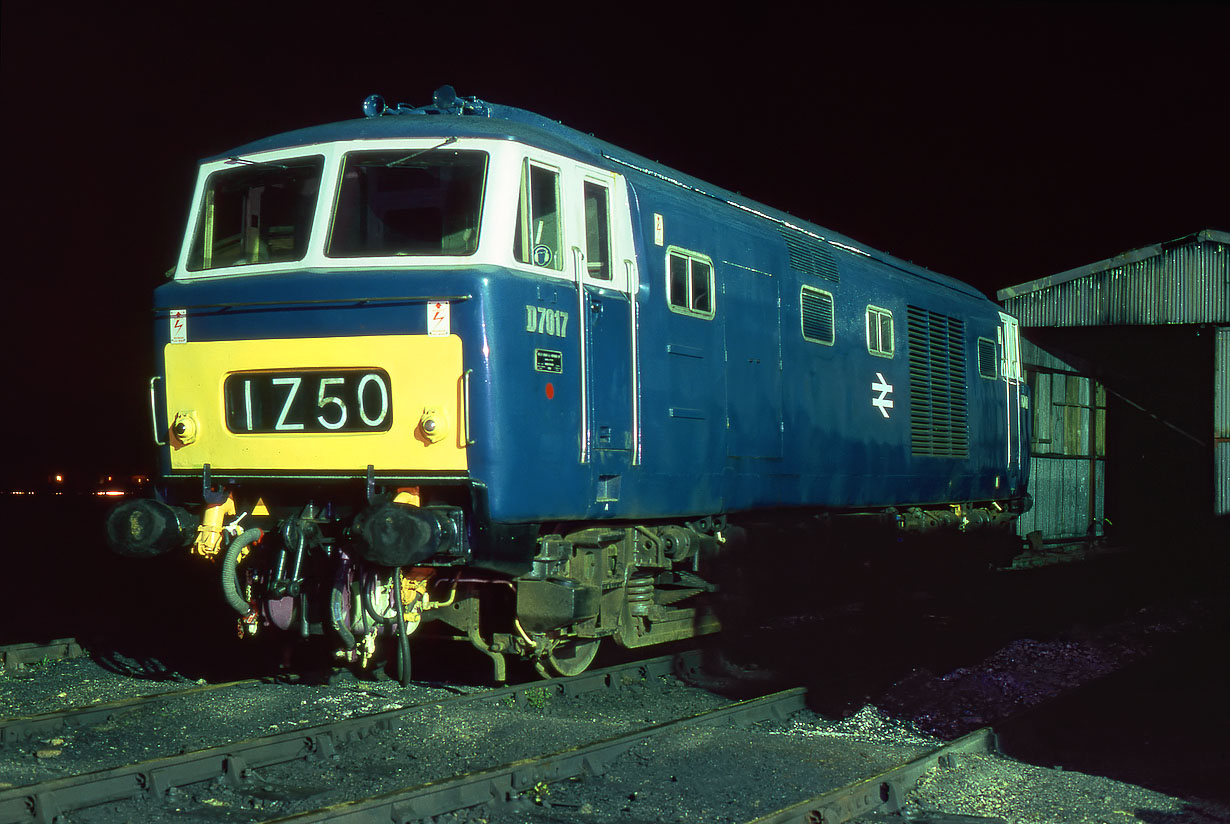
597 231
879 332
537 239
689 283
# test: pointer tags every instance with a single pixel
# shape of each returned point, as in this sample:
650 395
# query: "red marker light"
550 391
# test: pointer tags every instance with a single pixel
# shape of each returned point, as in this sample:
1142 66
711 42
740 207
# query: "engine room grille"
939 414
809 255
816 307
986 358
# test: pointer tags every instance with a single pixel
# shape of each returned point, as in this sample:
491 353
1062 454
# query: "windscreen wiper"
247 162
408 158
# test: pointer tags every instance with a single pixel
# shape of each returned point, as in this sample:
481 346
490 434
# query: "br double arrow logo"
882 401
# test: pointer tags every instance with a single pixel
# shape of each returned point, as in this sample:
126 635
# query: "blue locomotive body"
463 354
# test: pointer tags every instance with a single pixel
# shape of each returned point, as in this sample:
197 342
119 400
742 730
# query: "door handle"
153 409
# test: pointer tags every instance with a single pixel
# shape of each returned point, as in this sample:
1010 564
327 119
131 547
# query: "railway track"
296 765
514 779
25 727
879 793
883 792
14 657
234 761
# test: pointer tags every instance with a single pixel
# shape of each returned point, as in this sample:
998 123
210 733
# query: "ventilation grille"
939 415
817 309
809 255
986 358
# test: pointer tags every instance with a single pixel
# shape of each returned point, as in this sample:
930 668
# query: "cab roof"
469 117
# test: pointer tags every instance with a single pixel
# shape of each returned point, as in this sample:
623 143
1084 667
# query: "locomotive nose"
144 528
398 534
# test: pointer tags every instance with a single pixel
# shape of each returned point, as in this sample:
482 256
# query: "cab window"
407 202
256 213
597 231
537 239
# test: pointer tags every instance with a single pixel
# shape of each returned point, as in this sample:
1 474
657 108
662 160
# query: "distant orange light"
59 479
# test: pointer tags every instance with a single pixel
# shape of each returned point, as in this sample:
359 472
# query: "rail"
23 727
884 792
509 780
44 802
15 656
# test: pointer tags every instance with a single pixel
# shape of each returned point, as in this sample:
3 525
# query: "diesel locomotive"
459 369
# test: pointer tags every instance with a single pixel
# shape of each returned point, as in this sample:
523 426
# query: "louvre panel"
817 315
986 359
939 416
809 255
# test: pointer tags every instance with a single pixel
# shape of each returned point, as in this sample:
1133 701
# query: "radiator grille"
939 415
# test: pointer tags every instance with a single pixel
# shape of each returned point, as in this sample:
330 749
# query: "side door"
600 234
1011 378
753 365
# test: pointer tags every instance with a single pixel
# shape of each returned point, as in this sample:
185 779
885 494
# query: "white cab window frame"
573 177
501 187
497 226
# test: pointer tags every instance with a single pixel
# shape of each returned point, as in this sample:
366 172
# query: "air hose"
230 569
338 612
403 639
365 597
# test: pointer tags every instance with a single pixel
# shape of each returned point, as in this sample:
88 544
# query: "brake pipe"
230 570
403 634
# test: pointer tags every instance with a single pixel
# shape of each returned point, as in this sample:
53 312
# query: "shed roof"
1186 280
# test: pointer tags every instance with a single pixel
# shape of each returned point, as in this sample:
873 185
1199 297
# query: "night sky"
997 144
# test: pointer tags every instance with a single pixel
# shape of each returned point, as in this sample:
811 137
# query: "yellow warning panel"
260 510
333 404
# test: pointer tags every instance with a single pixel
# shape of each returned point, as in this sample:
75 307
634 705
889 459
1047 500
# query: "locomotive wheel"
573 657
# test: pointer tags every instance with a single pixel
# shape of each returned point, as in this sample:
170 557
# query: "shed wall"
1067 448
1221 422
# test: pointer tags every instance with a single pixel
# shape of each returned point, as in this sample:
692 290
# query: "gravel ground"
1026 672
710 774
738 775
995 786
176 725
79 682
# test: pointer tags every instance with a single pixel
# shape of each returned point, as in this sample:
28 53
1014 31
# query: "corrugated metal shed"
1221 383
1221 422
1182 281
1067 476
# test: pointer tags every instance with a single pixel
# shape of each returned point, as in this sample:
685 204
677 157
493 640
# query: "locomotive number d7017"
336 400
